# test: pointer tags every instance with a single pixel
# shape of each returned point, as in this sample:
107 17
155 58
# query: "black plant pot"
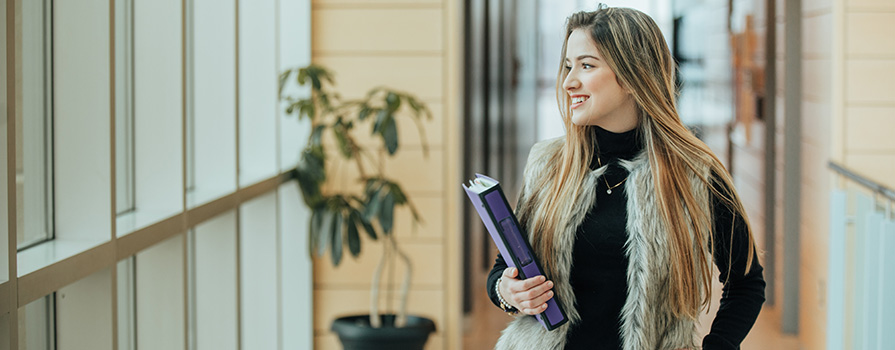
355 333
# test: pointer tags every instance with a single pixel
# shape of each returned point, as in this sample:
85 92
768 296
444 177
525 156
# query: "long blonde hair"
633 47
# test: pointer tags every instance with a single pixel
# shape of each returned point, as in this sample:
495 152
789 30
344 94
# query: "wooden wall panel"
869 81
355 75
418 172
870 4
433 226
377 30
863 30
411 46
377 3
879 167
870 129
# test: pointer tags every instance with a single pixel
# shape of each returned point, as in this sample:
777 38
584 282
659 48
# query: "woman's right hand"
529 296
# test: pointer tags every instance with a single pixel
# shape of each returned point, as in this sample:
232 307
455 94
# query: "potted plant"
338 217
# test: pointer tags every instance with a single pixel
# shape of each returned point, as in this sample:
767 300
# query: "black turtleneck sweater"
599 268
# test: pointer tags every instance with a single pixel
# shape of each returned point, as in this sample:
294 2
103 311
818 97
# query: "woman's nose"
570 83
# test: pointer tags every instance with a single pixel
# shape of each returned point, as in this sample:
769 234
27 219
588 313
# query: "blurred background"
151 201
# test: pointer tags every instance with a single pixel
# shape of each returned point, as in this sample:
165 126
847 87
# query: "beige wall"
868 100
848 115
412 46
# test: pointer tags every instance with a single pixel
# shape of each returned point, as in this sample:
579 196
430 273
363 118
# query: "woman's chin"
581 120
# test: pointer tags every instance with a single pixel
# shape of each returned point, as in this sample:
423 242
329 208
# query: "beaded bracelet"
504 305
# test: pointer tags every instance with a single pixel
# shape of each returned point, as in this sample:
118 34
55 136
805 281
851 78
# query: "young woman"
628 210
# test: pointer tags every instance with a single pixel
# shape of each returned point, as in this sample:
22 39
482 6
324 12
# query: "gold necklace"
609 188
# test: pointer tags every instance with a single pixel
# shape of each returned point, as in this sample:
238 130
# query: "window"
4 177
149 107
124 106
34 125
210 100
36 324
127 339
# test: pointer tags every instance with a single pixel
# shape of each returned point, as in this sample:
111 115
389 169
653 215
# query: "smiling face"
596 96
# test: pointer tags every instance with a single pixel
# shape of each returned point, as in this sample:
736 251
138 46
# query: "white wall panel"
216 285
84 313
160 296
214 93
158 108
297 278
81 116
257 90
295 51
259 270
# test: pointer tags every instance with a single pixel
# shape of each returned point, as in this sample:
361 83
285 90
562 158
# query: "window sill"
51 252
135 220
206 194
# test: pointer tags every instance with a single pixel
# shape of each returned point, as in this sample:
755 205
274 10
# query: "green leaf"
282 82
364 113
367 226
393 101
400 197
326 230
317 136
306 108
312 164
386 214
371 209
337 239
310 188
324 74
390 135
380 119
353 236
345 144
314 75
302 76
314 230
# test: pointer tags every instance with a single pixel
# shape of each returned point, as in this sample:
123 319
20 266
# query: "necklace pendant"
609 191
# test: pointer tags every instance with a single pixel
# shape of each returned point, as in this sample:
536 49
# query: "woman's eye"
586 66
568 68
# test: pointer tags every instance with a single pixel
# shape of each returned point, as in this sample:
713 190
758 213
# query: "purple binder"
495 211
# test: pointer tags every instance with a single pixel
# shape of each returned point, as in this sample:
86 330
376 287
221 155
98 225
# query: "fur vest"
647 322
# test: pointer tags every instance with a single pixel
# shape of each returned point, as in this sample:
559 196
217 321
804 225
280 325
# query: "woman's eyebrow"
579 58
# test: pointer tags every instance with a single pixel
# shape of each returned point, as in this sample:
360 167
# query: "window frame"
43 139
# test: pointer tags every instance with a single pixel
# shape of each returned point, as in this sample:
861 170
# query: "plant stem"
401 318
375 320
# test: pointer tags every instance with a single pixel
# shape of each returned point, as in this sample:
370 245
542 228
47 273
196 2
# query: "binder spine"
504 229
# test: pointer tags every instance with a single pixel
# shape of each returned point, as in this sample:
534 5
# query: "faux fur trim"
646 319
